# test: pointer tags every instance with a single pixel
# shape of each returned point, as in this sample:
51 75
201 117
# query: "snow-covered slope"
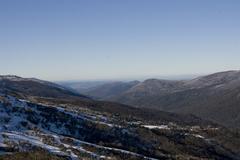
78 133
24 125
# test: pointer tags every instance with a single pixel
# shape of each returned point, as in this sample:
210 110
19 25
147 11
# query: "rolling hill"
100 89
35 88
215 97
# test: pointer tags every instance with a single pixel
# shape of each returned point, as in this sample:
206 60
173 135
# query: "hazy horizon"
61 40
126 79
136 78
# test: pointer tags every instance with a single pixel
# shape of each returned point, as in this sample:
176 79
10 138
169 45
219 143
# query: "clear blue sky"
109 39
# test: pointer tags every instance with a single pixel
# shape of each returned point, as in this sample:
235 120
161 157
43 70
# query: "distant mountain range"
106 91
215 97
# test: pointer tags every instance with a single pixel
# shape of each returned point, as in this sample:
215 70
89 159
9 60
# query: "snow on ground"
156 127
198 136
13 132
35 141
19 137
79 143
194 135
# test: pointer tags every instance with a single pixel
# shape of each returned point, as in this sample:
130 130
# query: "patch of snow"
194 135
156 127
198 136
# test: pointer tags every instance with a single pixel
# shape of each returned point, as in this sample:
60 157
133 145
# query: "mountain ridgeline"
46 120
100 89
215 97
35 88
